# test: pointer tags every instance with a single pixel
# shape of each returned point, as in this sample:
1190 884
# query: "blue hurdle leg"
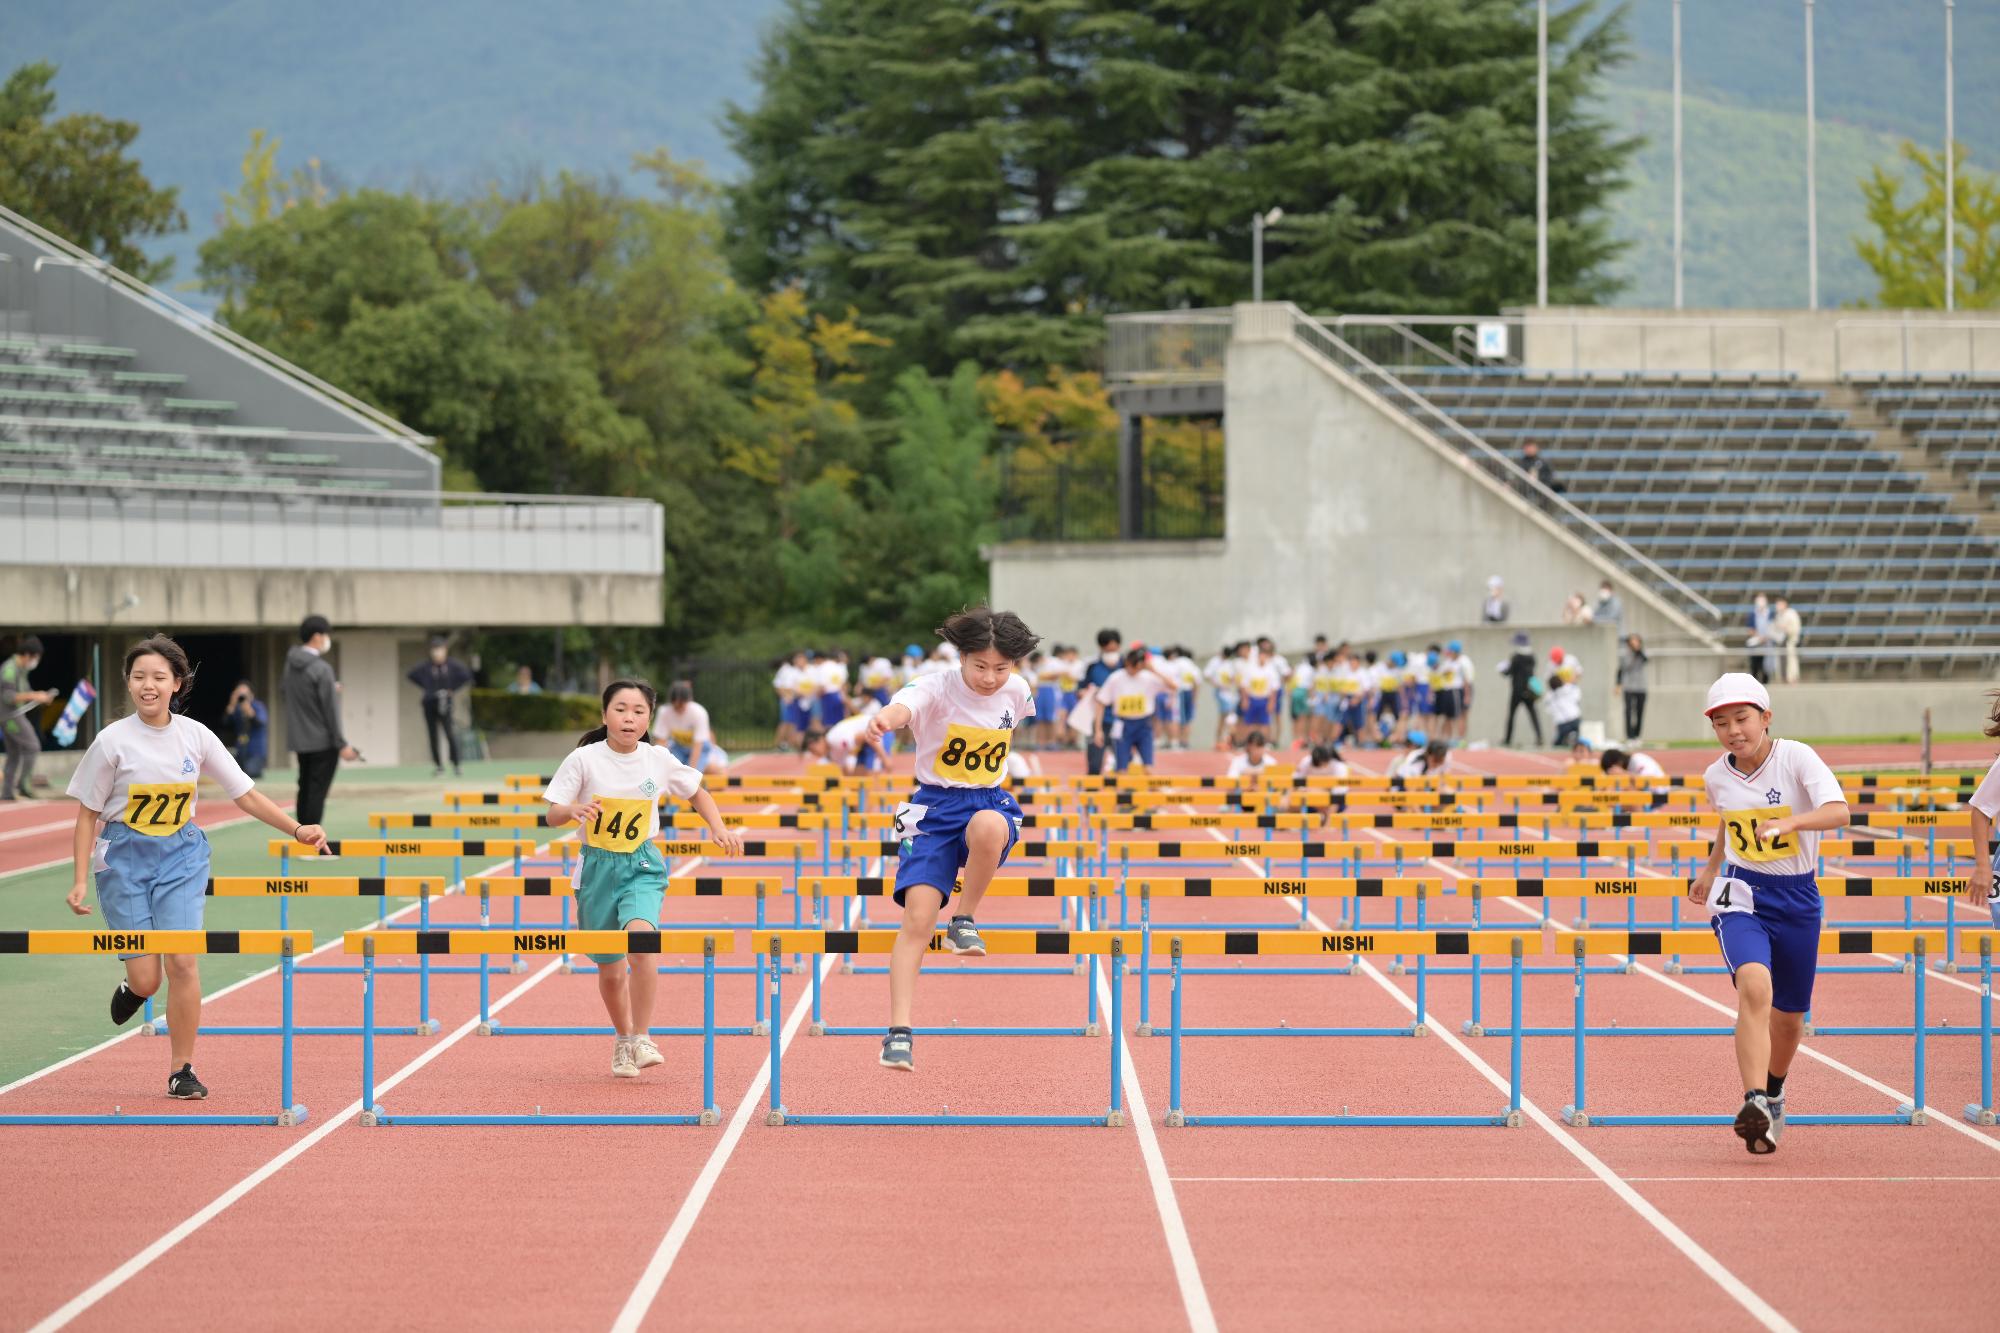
776 1115
1174 1114
1915 1108
1117 1116
1574 1113
709 1114
288 1113
1090 995
1514 1044
368 1107
1982 1114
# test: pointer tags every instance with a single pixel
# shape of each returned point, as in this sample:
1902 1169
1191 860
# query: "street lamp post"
1258 222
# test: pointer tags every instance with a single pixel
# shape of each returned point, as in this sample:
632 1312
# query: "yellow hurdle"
534 939
1666 942
1064 942
295 942
406 847
1003 886
1281 943
324 886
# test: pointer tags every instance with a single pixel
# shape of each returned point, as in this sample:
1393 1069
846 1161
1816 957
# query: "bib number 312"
1748 843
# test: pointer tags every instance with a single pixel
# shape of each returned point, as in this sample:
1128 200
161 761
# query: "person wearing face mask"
1109 643
311 699
438 678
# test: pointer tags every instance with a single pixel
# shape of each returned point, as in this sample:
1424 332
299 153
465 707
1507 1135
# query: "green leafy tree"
988 180
1907 251
74 175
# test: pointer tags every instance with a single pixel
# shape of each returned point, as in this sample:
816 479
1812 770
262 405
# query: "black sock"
1775 1084
1754 1092
955 920
893 1030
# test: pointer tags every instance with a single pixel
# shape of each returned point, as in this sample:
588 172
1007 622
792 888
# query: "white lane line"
272 971
36 830
1187 1273
1737 1290
647 1290
132 1267
1936 1117
124 1273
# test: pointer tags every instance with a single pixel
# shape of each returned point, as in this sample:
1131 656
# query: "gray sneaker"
1755 1125
1777 1121
899 1052
963 937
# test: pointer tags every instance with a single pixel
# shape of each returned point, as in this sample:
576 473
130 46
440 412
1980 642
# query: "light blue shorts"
147 883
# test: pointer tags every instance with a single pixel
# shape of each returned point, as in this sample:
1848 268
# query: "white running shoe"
1755 1125
645 1054
622 1063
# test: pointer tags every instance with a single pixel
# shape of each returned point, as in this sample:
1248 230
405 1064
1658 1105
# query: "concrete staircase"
1962 497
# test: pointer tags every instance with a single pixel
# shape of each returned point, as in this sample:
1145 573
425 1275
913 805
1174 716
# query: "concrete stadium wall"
1813 344
81 598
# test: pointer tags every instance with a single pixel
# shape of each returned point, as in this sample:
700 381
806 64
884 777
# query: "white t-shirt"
1643 766
1986 798
1461 669
832 677
1259 680
1183 672
955 728
843 739
1566 702
878 674
1145 686
1333 768
686 727
597 770
787 680
1792 776
128 752
1241 767
1411 765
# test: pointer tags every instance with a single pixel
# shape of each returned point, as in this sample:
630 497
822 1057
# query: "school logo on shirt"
187 765
648 787
1774 796
1006 720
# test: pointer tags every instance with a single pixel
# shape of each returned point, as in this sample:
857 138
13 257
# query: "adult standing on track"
311 697
1631 684
135 827
1520 672
1109 644
18 728
438 679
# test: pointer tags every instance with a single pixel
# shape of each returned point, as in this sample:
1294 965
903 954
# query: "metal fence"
742 707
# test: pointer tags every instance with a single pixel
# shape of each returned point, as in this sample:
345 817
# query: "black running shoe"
125 1002
1753 1125
182 1084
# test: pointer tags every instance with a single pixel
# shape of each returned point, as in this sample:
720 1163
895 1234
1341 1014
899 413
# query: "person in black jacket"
1520 672
311 698
438 678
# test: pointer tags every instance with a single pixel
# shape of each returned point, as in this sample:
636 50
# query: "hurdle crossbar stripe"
324 886
1066 942
1250 886
1420 943
552 886
1285 849
1003 886
535 941
1656 942
453 819
406 847
156 941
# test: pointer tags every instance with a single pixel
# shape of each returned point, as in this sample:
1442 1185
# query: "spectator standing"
1575 610
524 681
1519 670
1609 608
438 680
1785 621
1107 665
1494 609
1538 467
247 724
1631 684
1762 630
311 699
19 725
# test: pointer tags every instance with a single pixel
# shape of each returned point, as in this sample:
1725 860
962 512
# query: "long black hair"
611 691
978 628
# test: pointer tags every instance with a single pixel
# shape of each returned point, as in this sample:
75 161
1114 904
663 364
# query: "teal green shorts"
616 887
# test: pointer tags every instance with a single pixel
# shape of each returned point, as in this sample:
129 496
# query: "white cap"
1737 687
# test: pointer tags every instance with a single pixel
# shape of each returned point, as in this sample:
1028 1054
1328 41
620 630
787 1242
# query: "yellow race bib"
1134 705
1746 844
159 809
684 739
621 825
974 755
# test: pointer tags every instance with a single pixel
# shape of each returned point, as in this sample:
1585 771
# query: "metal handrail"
85 488
134 289
1576 323
122 425
1904 324
1630 555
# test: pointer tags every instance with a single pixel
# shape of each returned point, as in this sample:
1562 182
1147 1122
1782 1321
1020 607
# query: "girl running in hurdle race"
1985 811
959 816
610 786
1775 797
136 795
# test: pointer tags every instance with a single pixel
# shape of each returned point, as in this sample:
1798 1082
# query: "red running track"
802 1226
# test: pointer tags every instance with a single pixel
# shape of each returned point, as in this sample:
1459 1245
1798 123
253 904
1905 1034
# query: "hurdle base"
1144 1029
947 1119
1569 1115
1501 1121
291 1116
1916 1115
1471 1029
295 1115
711 1117
839 1030
1900 1118
1175 1120
1979 1115
1286 1030
1947 967
539 1118
492 1029
775 1117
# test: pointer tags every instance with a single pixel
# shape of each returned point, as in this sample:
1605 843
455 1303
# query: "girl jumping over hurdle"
610 785
1775 797
136 795
959 816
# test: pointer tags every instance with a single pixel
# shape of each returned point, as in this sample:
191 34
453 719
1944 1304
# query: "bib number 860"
989 756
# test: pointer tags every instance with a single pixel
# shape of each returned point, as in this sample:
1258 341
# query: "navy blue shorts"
1781 930
932 824
1256 711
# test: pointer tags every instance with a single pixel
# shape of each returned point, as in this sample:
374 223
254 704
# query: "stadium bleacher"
1749 483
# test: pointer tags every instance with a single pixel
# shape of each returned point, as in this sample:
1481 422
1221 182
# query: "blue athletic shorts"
148 883
1226 701
686 756
1354 714
1256 711
798 714
932 824
1047 701
1165 707
1187 706
832 708
1781 931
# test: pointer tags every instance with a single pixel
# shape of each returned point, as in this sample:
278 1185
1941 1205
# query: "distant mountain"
452 93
